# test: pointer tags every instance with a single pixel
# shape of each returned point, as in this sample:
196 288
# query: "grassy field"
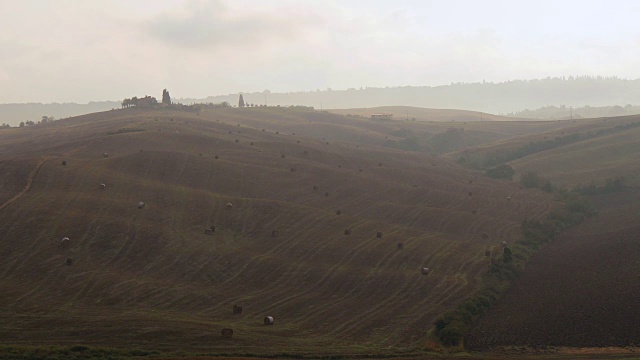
152 279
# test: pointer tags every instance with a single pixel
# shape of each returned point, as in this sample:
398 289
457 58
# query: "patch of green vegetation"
76 352
501 172
124 131
452 326
611 186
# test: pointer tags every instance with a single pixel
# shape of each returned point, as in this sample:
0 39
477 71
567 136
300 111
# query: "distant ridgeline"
553 97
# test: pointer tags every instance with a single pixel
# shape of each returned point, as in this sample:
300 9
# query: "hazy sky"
85 50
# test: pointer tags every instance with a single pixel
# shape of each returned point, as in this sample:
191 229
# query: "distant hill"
13 114
552 96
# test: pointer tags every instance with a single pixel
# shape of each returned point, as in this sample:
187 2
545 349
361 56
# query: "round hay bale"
508 198
470 181
400 245
140 205
326 194
379 164
200 154
141 150
293 169
268 320
216 157
262 130
360 170
347 231
237 140
470 193
298 142
326 143
275 233
487 252
226 332
251 143
238 125
485 235
315 187
69 261
339 212
339 166
64 162
229 206
293 133
229 131
474 212
64 241
102 186
379 234
277 132
105 154
425 270
237 309
504 243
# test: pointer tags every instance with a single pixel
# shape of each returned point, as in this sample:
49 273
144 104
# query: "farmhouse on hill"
381 116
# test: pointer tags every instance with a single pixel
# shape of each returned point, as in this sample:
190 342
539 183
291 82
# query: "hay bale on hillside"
504 243
263 130
400 245
237 140
200 154
140 205
298 142
315 187
474 211
275 233
102 186
425 270
326 143
326 194
216 157
470 181
64 241
64 162
105 154
339 212
229 206
379 234
69 261
360 170
485 235
210 231
228 333
347 231
339 166
268 320
508 198
379 164
251 143
470 193
293 169
237 309
229 131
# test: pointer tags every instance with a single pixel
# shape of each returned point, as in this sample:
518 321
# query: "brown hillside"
581 290
151 277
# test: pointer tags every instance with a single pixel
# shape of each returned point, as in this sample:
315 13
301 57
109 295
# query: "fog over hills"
554 97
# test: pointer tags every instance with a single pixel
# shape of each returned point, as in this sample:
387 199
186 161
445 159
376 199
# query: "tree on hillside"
166 99
21 123
241 101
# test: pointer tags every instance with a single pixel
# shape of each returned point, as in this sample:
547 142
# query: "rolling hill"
316 224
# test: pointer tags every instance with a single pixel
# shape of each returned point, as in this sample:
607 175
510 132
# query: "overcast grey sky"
89 50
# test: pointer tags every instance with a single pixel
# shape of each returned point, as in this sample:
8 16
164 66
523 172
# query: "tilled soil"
581 290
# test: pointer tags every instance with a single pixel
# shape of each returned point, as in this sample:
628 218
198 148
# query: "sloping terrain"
151 277
581 290
576 153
